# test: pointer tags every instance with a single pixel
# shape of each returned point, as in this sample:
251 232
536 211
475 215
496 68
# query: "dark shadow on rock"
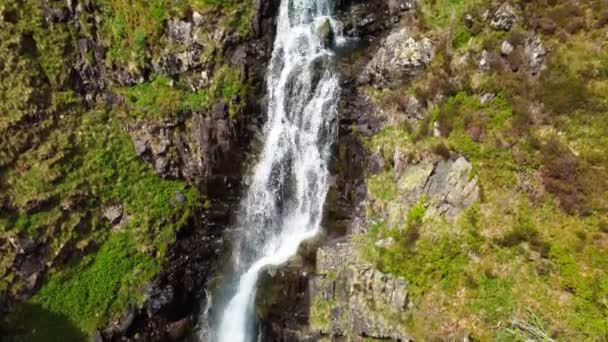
32 323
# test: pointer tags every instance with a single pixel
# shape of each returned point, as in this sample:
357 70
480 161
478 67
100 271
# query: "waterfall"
284 202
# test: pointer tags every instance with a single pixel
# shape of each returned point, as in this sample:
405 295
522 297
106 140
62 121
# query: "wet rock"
220 110
176 331
504 18
364 19
160 299
265 12
399 56
325 33
96 337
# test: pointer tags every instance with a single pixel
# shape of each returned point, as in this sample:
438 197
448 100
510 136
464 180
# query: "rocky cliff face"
470 187
127 126
444 222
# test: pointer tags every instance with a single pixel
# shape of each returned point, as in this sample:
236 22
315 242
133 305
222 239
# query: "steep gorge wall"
125 127
470 191
459 210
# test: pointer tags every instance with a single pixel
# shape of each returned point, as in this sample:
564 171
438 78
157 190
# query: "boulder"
535 53
179 31
219 110
22 244
469 21
385 243
176 331
484 63
504 18
325 33
397 7
399 56
96 337
449 189
506 48
197 18
113 213
160 299
179 197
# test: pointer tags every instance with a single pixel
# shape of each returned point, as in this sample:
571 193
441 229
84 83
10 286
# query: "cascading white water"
284 203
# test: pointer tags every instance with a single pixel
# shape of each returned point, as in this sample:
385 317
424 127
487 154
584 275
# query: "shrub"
492 299
562 90
87 293
560 176
442 150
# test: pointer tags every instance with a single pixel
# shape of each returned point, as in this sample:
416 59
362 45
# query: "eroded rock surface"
352 299
504 18
399 56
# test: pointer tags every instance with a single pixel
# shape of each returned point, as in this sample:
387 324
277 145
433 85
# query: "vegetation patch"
527 261
163 98
88 293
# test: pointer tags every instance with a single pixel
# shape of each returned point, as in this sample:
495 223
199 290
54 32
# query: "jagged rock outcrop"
184 48
191 149
447 185
535 53
352 299
504 18
398 57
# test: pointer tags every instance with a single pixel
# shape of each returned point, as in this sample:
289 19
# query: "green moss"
433 262
492 299
236 14
163 98
321 314
416 213
160 98
590 312
382 186
448 15
225 86
94 164
388 140
89 292
130 26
